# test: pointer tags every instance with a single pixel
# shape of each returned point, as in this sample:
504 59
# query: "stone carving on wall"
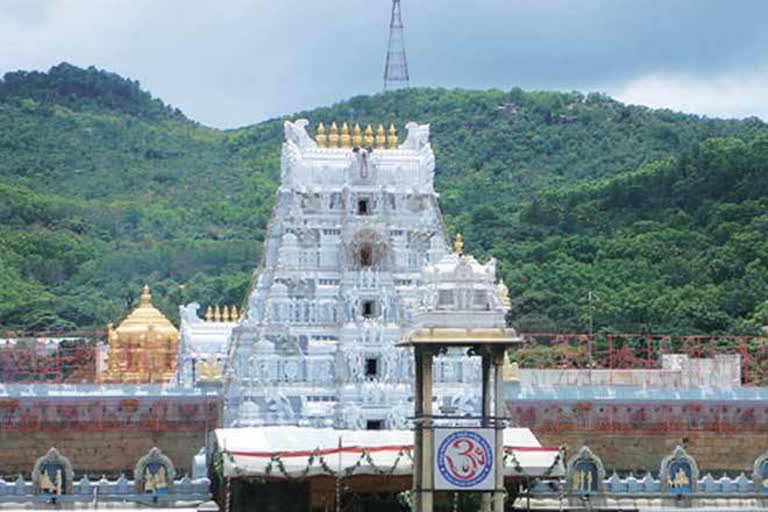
279 410
418 136
154 473
188 313
760 474
52 474
296 132
678 473
585 473
364 166
353 417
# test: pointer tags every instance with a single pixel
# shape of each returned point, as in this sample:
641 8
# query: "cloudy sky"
228 63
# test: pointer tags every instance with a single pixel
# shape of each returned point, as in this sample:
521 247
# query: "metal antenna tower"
396 67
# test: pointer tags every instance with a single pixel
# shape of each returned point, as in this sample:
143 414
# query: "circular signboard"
464 459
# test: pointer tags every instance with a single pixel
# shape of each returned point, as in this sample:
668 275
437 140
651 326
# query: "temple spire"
146 297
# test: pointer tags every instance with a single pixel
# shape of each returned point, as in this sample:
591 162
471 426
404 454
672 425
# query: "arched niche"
52 474
760 474
154 473
585 473
679 473
368 249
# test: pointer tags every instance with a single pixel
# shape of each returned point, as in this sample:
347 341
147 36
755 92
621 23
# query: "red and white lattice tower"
396 67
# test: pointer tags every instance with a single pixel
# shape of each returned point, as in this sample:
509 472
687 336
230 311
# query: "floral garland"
276 461
511 459
277 465
383 472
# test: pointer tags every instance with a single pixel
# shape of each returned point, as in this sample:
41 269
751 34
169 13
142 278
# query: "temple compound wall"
638 451
103 429
631 427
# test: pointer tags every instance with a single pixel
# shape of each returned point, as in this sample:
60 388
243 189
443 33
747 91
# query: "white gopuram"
355 222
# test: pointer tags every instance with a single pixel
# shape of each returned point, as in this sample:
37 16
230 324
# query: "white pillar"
500 412
485 499
418 434
427 481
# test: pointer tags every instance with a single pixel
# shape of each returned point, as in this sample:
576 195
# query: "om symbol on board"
464 458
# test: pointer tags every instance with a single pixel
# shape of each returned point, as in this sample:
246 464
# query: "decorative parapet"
53 481
678 479
333 138
222 314
330 169
121 489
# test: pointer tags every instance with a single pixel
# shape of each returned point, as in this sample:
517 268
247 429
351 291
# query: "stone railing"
53 481
676 483
120 489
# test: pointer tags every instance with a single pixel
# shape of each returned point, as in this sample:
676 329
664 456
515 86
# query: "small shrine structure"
143 348
461 307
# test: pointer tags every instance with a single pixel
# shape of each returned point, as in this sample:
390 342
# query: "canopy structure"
296 452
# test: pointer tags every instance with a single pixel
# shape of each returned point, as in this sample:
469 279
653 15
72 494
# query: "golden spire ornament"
146 297
369 136
392 137
225 313
333 138
357 137
209 314
458 244
233 312
503 292
345 135
321 138
381 139
217 313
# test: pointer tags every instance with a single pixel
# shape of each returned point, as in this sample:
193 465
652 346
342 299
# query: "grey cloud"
236 62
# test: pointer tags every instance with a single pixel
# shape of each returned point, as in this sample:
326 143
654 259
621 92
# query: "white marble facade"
351 232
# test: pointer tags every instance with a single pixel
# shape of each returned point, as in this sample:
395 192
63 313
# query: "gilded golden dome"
144 317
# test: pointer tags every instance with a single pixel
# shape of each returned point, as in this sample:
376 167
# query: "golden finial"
357 138
322 138
225 314
146 297
234 314
392 138
381 139
345 135
217 313
209 314
503 292
333 138
458 244
369 136
510 371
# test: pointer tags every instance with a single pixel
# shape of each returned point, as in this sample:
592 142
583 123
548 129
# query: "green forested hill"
103 187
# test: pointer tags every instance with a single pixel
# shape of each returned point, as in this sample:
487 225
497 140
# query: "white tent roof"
288 451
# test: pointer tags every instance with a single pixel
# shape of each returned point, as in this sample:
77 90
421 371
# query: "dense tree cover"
83 90
103 188
679 245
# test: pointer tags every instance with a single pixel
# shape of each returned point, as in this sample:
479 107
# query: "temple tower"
356 219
